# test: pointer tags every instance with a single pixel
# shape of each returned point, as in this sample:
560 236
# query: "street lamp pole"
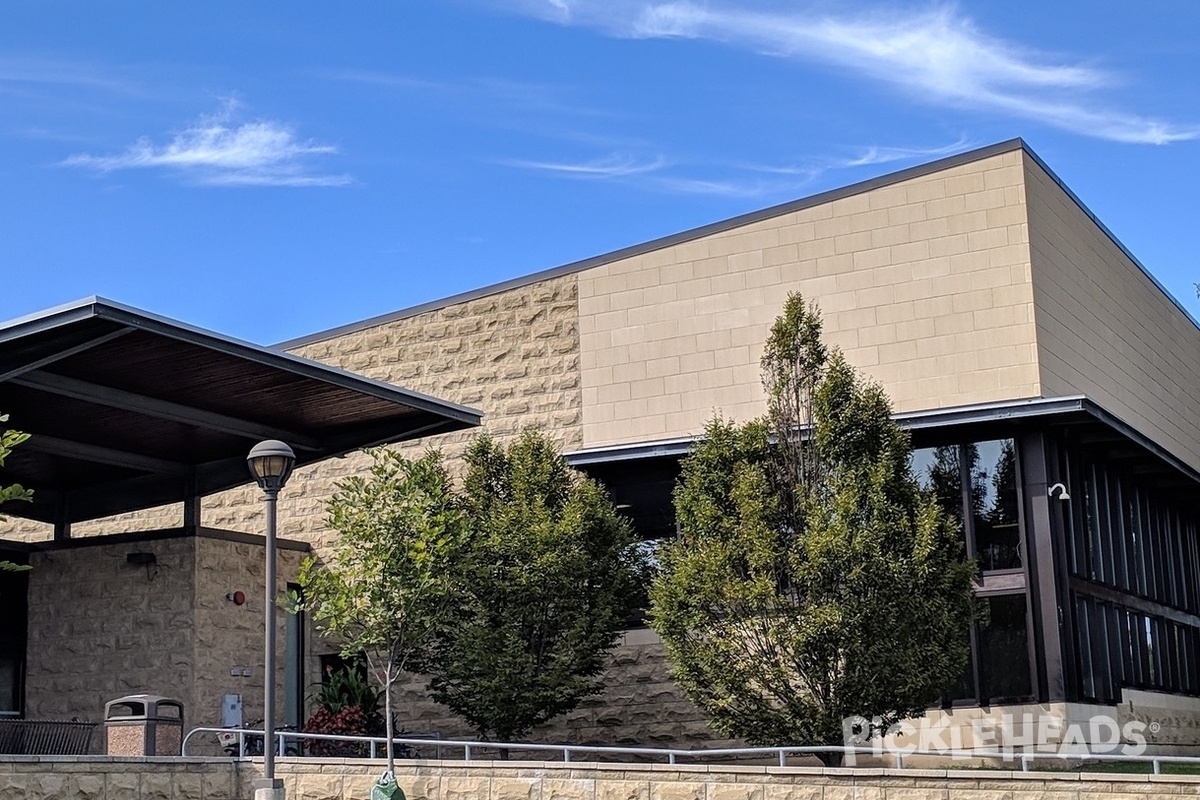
271 464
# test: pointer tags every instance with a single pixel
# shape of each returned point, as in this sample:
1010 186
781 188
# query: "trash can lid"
140 705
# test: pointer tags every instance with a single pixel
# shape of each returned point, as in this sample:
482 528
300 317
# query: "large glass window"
1004 650
977 484
994 505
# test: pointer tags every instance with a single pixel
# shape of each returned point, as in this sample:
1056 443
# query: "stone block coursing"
100 628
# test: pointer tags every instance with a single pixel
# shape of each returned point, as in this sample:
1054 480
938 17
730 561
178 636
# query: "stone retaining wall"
56 777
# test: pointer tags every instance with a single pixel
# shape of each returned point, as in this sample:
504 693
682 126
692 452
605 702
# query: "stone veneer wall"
55 777
100 628
640 706
228 635
513 355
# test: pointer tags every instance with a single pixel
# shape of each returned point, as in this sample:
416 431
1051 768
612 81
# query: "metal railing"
42 737
373 746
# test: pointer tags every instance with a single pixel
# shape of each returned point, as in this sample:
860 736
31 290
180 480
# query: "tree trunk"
387 711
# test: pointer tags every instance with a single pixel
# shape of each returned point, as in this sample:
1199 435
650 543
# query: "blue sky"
334 161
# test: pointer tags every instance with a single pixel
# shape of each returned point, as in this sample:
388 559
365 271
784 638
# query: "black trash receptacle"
143 725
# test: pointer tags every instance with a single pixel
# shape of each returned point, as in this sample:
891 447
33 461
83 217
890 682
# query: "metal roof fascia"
286 361
1032 408
918 420
101 308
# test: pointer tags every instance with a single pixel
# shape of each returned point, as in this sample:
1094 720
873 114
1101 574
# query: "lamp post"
271 464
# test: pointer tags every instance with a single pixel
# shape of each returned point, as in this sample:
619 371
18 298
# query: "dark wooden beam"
82 451
161 409
55 349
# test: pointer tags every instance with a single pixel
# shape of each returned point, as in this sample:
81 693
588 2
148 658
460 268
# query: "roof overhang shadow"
128 410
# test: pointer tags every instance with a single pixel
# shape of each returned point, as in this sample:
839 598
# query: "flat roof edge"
1111 236
1027 408
691 234
101 308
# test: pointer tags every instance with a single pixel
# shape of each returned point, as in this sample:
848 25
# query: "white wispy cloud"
37 70
726 179
876 154
616 165
936 55
217 150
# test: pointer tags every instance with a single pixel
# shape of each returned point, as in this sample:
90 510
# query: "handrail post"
670 758
1157 766
372 748
566 755
1024 762
782 757
466 752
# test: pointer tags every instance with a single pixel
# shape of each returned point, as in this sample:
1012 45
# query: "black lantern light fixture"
271 465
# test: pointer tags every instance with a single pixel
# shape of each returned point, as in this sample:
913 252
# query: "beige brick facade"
924 284
1105 329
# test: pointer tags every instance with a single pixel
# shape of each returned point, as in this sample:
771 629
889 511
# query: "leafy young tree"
813 580
549 578
8 440
387 587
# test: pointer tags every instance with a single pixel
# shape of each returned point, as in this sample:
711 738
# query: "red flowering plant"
346 704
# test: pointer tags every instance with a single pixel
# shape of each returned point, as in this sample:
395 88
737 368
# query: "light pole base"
386 789
269 789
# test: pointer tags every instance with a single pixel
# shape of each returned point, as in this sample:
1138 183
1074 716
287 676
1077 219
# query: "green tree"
813 580
388 584
8 440
550 575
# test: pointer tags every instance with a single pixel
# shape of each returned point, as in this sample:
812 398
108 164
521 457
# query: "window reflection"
937 470
1004 650
991 469
994 505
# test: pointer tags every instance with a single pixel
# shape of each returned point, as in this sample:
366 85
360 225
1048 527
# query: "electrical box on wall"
231 711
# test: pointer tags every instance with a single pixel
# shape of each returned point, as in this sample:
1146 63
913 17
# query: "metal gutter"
1032 408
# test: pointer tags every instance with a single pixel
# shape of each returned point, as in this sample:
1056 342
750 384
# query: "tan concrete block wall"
332 779
513 355
924 284
100 628
640 705
1105 330
57 777
228 635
